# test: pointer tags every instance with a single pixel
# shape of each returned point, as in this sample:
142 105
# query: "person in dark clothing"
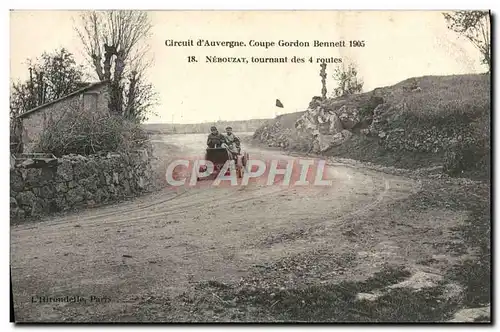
215 139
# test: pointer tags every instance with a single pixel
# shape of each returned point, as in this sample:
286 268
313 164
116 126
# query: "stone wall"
398 131
34 123
76 181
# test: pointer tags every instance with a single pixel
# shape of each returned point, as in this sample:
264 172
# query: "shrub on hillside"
367 108
300 141
87 133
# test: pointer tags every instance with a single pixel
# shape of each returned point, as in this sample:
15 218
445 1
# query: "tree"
475 26
140 98
51 76
347 80
115 44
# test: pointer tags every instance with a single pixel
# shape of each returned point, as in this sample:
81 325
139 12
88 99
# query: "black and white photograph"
250 166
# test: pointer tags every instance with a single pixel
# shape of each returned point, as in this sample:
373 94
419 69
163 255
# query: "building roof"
91 86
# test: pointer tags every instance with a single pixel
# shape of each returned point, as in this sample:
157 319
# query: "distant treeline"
195 128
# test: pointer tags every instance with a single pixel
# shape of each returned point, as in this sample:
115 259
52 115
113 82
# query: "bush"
88 133
366 109
347 80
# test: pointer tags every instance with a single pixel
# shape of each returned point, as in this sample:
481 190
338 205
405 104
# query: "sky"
398 45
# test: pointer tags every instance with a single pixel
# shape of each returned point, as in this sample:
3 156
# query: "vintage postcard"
250 166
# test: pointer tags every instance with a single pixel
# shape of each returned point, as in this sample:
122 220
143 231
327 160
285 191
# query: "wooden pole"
322 73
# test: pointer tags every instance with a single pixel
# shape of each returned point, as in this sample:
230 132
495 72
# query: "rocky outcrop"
76 181
428 120
325 142
331 122
321 120
349 117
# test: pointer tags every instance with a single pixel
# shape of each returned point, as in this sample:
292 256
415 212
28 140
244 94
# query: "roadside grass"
473 274
339 302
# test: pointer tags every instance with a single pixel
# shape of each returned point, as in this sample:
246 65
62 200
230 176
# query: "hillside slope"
193 128
424 121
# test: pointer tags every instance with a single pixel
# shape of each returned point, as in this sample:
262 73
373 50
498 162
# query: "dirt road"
130 261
